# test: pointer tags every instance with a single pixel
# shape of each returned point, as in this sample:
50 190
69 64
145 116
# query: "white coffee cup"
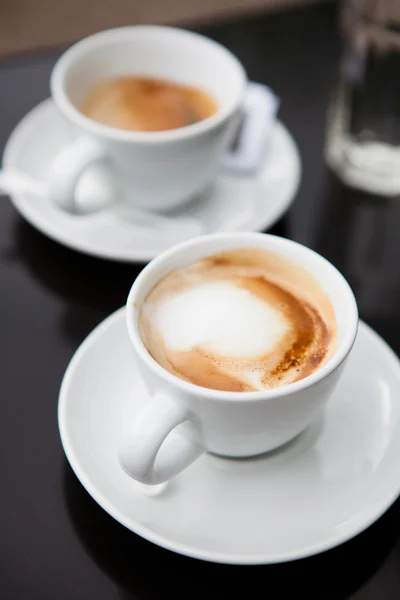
234 424
155 170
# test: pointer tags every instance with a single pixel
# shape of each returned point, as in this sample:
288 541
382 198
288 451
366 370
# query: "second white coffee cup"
150 170
235 424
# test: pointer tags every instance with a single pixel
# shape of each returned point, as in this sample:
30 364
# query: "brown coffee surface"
307 343
147 104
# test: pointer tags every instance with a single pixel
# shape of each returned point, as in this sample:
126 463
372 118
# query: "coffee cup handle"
151 451
67 169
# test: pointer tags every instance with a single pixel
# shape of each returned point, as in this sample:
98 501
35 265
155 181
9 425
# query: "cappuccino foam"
147 104
219 317
239 321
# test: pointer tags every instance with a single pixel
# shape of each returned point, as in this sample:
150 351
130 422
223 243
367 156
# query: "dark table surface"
55 542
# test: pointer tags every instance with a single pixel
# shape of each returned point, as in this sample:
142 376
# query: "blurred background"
32 24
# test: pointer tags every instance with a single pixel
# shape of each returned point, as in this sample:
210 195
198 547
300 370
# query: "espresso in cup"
147 104
244 320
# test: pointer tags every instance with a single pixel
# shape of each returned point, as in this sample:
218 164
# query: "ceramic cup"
234 424
156 170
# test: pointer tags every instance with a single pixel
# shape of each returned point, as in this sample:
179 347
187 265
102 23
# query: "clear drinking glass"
363 137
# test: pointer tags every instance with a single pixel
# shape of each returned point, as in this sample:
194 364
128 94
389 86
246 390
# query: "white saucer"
235 203
320 490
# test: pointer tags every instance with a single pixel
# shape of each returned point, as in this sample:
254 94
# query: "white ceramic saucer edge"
180 548
25 129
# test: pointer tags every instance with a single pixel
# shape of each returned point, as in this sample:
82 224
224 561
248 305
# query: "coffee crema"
147 104
244 320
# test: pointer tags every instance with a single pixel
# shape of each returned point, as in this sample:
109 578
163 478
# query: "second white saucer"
234 203
320 490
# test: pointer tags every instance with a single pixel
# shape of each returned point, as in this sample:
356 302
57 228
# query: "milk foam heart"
244 320
219 317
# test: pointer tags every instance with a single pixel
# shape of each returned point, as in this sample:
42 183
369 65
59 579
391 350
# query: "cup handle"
68 166
151 451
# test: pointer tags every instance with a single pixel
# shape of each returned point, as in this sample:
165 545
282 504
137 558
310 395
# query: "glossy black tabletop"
55 542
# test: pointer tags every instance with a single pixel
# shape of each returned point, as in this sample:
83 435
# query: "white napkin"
258 116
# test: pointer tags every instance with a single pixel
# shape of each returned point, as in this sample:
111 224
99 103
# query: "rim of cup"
340 353
109 36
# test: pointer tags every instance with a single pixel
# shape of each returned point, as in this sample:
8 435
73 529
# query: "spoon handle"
14 182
